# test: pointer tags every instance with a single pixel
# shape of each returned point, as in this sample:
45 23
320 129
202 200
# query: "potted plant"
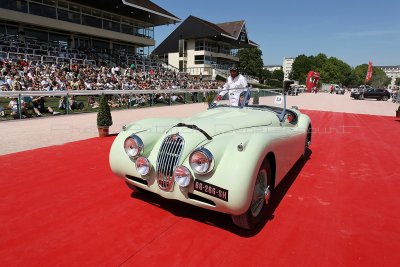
104 119
398 112
256 97
210 97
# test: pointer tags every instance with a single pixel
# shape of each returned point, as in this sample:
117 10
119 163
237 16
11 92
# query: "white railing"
46 59
21 94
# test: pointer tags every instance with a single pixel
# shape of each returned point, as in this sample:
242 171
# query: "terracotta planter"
398 113
103 131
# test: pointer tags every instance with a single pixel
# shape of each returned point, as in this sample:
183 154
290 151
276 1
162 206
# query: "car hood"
221 120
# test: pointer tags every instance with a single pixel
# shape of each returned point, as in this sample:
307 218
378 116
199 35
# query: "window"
42 10
91 21
199 59
199 45
62 4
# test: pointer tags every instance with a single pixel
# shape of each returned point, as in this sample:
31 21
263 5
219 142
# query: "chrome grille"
167 159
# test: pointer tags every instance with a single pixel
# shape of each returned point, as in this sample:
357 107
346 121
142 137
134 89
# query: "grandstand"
65 46
81 32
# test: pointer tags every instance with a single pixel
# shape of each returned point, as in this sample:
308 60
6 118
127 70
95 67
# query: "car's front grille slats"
167 159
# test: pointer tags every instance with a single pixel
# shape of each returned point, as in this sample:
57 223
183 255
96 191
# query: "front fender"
236 170
149 130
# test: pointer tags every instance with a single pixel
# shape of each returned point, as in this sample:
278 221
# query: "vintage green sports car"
228 158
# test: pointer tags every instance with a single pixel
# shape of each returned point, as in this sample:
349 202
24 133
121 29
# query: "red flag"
312 80
369 73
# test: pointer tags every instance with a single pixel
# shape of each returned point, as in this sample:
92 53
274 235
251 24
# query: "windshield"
264 99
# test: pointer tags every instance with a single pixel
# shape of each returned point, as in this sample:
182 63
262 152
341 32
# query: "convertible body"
227 158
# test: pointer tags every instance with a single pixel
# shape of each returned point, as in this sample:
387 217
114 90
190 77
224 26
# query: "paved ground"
21 135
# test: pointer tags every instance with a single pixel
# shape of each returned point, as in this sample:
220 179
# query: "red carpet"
62 206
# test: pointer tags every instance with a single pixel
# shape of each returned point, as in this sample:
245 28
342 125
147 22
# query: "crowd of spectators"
24 76
28 76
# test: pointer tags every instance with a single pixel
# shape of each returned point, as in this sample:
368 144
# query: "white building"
392 72
287 67
272 68
198 46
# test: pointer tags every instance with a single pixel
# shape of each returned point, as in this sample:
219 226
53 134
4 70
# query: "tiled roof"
233 28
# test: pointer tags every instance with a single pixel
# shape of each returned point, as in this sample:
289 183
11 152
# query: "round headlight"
143 166
201 161
182 176
133 146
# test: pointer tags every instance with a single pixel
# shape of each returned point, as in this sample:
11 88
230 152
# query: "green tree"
265 75
397 82
250 61
300 68
379 78
278 75
335 71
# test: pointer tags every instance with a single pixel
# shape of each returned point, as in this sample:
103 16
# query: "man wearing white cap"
235 81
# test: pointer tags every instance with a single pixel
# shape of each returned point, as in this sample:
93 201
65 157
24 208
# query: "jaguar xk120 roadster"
228 158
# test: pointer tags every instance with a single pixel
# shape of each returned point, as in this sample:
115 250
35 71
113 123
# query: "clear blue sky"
354 31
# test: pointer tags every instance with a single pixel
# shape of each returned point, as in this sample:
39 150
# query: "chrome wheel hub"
261 193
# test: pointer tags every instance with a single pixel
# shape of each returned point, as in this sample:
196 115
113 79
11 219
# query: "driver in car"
235 81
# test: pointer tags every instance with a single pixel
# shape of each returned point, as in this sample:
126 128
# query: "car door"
369 93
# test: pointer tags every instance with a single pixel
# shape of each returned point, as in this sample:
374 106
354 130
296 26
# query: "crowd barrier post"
19 106
67 104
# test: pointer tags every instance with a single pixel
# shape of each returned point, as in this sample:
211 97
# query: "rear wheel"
261 193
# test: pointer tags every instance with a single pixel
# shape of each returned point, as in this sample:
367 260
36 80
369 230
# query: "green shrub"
256 97
210 97
104 114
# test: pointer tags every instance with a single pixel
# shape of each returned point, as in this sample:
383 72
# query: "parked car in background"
339 90
373 93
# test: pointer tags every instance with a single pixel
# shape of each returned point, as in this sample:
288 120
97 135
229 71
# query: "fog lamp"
143 166
182 176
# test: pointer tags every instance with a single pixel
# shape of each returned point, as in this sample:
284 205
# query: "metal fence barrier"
21 94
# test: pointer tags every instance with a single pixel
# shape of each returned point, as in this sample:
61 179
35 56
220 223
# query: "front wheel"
261 193
308 141
385 98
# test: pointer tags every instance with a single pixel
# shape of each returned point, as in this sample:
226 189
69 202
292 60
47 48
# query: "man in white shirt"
235 81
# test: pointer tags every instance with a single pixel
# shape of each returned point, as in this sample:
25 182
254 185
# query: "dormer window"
243 37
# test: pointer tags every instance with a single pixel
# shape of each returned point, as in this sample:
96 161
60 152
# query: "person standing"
235 81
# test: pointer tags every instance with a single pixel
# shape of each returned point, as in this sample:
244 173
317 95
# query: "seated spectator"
64 103
112 103
13 105
39 107
92 102
16 85
75 104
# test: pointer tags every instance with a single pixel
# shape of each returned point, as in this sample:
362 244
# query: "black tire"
261 193
385 98
361 97
307 142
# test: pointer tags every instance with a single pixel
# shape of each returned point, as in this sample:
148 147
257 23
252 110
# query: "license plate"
211 190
